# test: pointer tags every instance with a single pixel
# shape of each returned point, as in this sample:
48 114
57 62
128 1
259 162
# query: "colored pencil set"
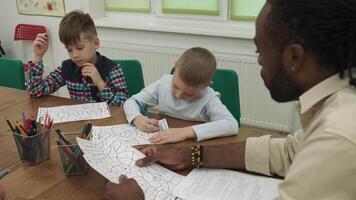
71 155
31 138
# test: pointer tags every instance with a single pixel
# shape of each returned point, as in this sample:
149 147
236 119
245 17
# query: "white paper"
126 133
111 158
71 113
212 184
163 125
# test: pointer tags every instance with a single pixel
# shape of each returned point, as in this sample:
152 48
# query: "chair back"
28 31
12 73
226 82
133 75
23 37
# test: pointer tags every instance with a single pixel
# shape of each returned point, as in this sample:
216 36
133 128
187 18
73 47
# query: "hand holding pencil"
146 124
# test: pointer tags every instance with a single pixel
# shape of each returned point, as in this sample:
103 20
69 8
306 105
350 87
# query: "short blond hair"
196 66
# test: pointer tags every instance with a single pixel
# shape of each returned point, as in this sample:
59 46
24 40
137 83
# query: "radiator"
257 107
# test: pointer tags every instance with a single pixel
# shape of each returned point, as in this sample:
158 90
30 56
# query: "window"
220 18
221 9
200 7
128 5
245 9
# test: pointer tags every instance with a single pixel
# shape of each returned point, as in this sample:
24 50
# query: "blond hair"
196 66
73 25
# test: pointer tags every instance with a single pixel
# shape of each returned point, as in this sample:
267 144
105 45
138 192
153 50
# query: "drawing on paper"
126 133
111 158
41 7
71 113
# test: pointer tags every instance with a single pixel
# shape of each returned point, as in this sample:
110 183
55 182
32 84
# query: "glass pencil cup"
33 149
72 158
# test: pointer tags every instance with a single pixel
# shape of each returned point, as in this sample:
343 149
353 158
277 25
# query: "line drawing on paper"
70 113
111 158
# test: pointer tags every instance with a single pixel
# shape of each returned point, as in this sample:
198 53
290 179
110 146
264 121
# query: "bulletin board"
54 8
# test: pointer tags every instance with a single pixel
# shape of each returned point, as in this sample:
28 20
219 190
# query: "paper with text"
212 184
70 113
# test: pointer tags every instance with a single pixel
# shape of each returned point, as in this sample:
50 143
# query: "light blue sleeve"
221 124
147 97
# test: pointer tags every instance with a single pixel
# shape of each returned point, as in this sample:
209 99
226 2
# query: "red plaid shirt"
79 87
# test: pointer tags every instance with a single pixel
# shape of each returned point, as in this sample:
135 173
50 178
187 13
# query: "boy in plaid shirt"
88 75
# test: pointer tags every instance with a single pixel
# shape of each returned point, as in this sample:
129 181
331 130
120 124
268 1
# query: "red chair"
26 32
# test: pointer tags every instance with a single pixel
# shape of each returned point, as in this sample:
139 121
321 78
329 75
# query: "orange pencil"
21 128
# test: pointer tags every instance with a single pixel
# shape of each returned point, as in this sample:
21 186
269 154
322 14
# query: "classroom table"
47 179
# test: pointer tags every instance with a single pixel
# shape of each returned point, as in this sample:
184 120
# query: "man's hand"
89 70
146 124
127 189
2 192
173 158
172 135
39 46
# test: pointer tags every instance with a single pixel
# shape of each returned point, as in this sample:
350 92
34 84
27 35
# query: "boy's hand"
90 70
172 135
39 46
146 124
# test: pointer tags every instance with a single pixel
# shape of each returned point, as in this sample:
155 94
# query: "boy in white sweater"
185 95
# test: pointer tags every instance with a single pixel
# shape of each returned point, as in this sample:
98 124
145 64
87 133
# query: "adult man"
307 49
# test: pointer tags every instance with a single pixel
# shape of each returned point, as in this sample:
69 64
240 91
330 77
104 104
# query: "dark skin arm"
127 189
229 156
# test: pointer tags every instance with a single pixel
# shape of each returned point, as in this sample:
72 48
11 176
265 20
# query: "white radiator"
257 107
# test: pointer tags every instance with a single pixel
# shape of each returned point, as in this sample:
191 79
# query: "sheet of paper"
163 125
212 184
127 134
111 158
71 113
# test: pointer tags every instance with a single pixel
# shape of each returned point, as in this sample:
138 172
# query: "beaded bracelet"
197 156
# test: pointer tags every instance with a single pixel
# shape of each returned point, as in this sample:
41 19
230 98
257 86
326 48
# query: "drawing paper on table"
211 184
78 112
111 158
128 134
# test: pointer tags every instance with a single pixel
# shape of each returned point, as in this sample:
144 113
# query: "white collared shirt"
318 161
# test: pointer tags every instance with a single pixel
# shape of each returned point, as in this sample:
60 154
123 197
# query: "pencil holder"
33 149
72 160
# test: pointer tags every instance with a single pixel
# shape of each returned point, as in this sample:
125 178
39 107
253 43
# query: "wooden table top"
47 179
